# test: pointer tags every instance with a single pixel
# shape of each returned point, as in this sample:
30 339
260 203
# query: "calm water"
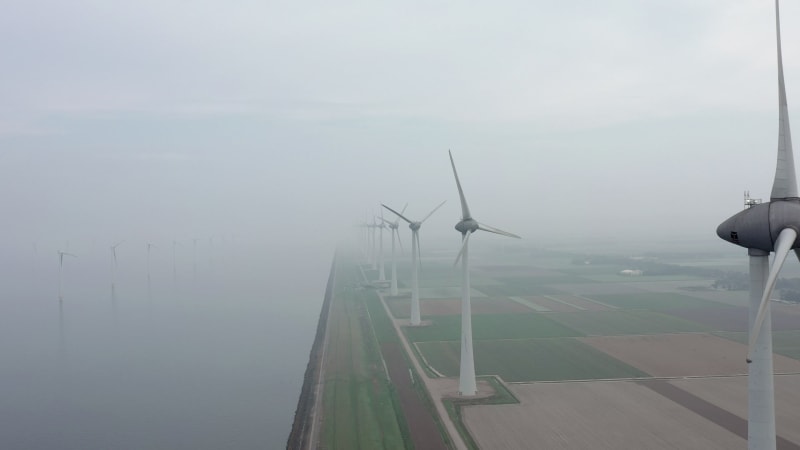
210 362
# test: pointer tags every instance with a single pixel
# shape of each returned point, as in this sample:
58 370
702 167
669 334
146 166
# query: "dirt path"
421 424
434 389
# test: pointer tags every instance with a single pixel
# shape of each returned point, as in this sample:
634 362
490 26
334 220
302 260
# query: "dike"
299 437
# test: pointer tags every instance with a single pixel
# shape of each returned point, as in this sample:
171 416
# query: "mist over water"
206 363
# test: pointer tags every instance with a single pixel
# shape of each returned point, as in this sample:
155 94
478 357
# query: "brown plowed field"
424 431
734 318
676 355
734 423
593 415
730 393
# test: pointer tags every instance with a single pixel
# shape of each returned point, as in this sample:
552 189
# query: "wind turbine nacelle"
414 226
467 226
758 227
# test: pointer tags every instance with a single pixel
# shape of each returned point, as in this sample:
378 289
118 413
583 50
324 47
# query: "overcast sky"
157 119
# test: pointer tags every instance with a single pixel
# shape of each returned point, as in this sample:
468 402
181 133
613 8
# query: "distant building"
631 272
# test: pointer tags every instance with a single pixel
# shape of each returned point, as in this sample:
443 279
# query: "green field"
620 322
517 290
490 326
530 360
654 300
359 404
617 278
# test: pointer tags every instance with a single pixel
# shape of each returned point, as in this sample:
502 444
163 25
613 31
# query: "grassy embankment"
360 409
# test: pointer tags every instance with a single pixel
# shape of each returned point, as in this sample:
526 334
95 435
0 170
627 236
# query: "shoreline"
300 436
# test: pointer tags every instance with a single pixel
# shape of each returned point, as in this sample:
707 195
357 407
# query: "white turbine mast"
60 272
415 260
763 228
393 226
466 381
381 269
114 267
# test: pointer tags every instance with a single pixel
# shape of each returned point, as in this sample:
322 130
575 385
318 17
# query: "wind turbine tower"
466 381
381 267
60 272
763 228
393 226
114 267
415 257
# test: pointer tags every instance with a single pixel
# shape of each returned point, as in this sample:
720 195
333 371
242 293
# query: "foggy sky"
286 121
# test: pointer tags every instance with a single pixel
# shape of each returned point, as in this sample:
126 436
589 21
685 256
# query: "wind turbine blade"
402 211
463 246
434 210
464 208
400 241
785 184
387 222
496 231
398 214
783 245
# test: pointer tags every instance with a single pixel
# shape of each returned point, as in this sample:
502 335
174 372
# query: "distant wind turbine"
60 272
114 267
467 226
415 258
381 269
393 226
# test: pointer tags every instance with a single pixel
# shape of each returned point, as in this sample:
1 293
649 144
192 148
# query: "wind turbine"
467 226
394 227
60 271
415 257
114 267
761 229
381 267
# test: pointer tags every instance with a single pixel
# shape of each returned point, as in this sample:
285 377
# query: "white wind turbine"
394 227
467 226
381 267
415 257
761 229
60 272
114 267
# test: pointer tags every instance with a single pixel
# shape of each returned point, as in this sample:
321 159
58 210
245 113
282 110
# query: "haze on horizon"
287 121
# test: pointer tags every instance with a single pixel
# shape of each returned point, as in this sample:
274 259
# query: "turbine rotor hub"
467 226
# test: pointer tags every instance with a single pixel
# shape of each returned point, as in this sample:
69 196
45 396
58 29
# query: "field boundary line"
563 302
530 304
425 360
594 301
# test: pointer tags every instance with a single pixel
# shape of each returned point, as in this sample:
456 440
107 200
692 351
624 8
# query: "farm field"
530 359
591 354
592 415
